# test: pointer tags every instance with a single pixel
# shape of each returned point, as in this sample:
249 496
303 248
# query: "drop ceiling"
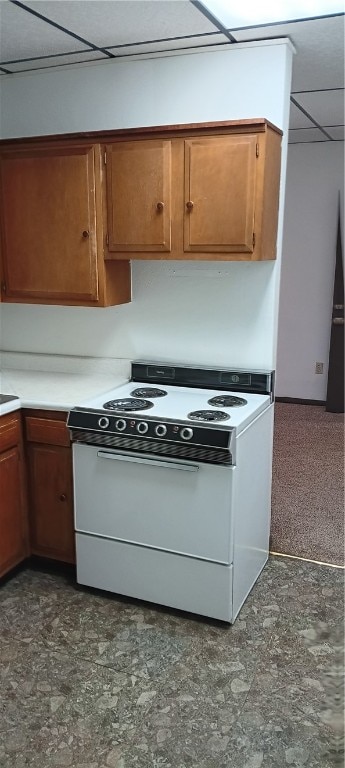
44 34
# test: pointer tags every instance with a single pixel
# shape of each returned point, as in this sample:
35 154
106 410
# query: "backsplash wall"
181 317
212 313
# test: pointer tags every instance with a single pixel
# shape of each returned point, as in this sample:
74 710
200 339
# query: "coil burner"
148 392
227 401
208 416
128 404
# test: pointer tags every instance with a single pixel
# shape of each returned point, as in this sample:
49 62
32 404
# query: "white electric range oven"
172 486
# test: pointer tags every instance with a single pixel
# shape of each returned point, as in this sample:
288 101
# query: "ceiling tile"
337 132
57 61
306 135
170 45
319 43
326 107
298 119
107 23
23 35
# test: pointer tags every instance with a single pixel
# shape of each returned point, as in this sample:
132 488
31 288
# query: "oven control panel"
153 429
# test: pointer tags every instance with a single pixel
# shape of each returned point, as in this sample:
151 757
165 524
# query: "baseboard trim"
299 401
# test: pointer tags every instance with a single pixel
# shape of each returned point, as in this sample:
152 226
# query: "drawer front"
185 583
49 431
10 433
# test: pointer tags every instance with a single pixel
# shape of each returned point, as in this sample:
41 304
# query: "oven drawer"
169 505
160 577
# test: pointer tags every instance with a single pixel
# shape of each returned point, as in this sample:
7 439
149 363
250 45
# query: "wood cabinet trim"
256 125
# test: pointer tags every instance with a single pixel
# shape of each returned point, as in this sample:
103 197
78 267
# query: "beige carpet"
308 483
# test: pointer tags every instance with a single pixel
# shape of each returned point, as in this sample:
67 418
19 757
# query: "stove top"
183 404
172 408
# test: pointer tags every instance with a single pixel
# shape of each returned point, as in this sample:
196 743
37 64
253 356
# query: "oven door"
171 505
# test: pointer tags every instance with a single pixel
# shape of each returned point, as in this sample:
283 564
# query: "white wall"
315 176
211 313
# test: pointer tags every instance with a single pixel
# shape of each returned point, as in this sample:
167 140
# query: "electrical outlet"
318 367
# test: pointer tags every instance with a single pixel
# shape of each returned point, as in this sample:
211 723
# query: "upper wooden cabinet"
207 193
76 209
219 192
51 227
139 196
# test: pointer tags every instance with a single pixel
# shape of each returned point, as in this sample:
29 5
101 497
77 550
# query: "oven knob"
186 433
160 430
103 422
120 424
142 427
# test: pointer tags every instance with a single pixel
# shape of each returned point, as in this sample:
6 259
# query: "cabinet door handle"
63 497
86 233
160 207
189 205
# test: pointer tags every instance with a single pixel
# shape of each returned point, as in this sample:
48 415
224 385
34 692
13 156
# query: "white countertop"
58 389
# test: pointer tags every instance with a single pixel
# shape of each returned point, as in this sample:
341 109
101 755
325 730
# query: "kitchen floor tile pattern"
91 681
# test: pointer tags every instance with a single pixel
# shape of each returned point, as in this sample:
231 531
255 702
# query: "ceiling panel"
57 61
319 44
298 119
327 107
154 28
170 45
23 36
107 23
306 135
337 132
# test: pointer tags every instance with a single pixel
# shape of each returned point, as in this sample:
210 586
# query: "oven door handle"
152 462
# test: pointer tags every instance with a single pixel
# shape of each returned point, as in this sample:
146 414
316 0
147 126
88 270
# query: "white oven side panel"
159 577
252 505
165 505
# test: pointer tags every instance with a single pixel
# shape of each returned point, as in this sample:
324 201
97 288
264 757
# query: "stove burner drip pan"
208 416
227 401
148 392
128 404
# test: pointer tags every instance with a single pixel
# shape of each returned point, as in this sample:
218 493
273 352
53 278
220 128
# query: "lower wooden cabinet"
13 511
50 485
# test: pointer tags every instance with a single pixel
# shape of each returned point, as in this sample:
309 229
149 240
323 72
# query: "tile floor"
91 681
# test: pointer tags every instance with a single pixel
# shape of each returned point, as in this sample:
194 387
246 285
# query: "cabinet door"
48 212
139 196
220 180
13 527
51 501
